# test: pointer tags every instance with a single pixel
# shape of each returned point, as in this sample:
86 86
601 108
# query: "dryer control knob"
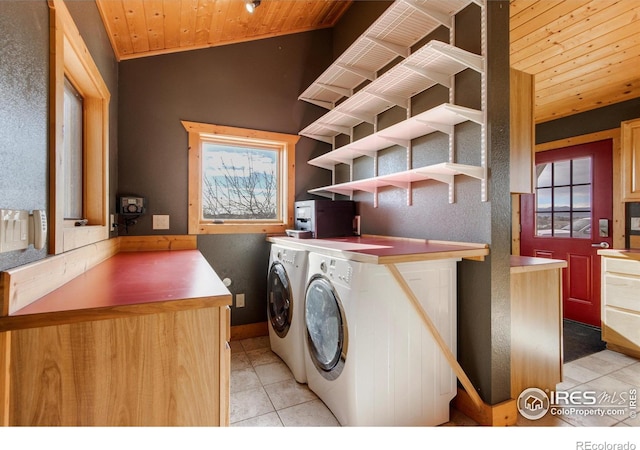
323 266
279 256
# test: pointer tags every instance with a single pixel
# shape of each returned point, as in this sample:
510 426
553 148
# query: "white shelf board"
441 118
435 62
443 172
400 27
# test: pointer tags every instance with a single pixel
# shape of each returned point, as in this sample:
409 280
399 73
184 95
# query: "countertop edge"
26 321
620 253
522 264
464 250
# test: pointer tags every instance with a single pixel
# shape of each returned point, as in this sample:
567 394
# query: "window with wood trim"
240 180
79 117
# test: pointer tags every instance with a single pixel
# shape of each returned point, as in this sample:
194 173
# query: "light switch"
635 224
14 229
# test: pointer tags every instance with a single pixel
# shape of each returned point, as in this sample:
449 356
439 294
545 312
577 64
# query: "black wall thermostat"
131 205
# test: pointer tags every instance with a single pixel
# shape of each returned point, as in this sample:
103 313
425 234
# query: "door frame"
618 225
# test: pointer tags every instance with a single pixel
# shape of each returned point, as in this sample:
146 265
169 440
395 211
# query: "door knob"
601 245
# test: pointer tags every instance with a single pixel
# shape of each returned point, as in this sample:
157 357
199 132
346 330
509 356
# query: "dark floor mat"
580 340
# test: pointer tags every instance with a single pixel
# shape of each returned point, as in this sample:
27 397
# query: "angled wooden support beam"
451 359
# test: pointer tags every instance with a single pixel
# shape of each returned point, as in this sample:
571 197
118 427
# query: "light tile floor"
264 392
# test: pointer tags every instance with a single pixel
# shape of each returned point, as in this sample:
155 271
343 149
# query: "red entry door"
570 217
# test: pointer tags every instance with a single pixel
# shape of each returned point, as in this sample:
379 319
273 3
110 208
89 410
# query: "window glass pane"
581 225
543 200
562 199
543 224
543 172
582 171
239 183
562 173
582 198
562 224
72 152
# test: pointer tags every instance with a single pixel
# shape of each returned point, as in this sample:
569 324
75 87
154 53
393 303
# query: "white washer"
368 356
286 281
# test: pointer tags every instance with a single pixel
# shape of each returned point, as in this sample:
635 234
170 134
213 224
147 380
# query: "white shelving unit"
393 34
442 118
403 24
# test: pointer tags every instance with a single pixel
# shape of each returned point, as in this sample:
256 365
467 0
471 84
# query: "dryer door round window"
280 299
326 327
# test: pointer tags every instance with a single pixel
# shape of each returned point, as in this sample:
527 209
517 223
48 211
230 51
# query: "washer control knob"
323 267
279 255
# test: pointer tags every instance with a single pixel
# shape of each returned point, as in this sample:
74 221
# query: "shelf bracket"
440 78
470 114
471 60
442 127
338 128
439 17
364 118
318 137
368 74
320 103
398 141
396 100
337 89
395 48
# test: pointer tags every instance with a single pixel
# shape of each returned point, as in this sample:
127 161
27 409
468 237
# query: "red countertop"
385 250
130 283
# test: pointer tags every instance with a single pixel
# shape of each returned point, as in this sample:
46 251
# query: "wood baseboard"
239 332
501 415
624 350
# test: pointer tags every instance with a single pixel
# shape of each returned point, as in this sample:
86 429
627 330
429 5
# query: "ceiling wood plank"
137 23
171 9
603 96
559 9
557 30
600 59
578 39
188 11
154 16
112 13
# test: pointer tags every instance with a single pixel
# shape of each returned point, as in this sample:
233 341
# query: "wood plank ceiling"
584 53
150 27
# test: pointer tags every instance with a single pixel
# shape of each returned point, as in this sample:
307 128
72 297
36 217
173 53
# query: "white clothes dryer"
368 356
286 282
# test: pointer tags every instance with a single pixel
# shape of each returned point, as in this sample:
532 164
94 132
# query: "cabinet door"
631 159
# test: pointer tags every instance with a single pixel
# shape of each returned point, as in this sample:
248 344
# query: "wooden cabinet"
536 323
522 132
166 369
140 338
339 90
631 160
621 302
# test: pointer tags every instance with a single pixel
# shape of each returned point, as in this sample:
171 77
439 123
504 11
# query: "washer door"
280 299
326 327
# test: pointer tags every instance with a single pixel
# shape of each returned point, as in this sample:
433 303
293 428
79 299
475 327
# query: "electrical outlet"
239 300
112 222
160 222
635 224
